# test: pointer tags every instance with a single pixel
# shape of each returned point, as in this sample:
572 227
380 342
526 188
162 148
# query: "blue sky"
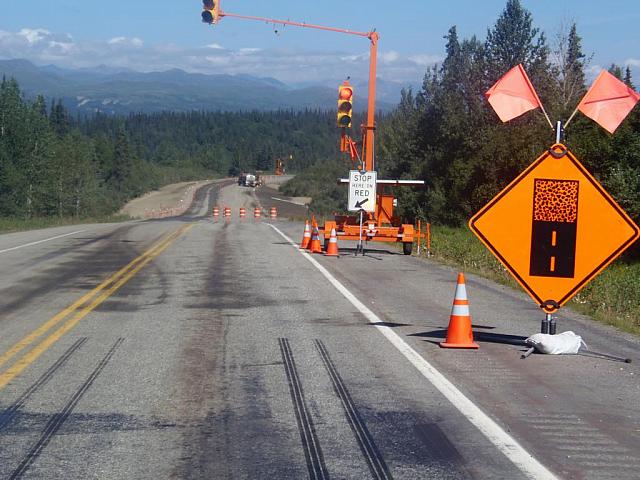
157 35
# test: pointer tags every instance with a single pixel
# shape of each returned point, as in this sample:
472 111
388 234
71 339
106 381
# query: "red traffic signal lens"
346 93
208 4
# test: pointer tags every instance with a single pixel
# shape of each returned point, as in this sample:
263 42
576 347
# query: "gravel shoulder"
176 197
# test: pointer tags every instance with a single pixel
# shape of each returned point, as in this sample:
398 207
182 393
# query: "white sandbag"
565 343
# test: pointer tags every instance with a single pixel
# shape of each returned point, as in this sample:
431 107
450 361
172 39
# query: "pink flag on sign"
608 101
513 94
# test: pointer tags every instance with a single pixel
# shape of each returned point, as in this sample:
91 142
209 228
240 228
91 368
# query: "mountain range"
121 91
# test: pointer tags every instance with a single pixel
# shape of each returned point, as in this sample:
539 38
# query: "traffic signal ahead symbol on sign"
345 105
554 228
210 11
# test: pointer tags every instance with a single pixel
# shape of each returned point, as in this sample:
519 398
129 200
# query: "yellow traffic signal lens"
345 107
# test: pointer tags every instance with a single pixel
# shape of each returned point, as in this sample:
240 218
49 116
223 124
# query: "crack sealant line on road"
504 442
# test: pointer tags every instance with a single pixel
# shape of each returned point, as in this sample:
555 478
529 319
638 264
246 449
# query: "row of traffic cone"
311 240
257 212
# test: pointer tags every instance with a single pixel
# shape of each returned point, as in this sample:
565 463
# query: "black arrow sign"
361 202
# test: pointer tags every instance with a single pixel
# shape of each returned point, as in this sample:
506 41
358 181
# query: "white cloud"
34 35
355 58
218 60
291 64
134 41
389 57
62 46
425 60
632 62
248 51
36 44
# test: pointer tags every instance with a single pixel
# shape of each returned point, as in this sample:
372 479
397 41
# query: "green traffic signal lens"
207 17
344 121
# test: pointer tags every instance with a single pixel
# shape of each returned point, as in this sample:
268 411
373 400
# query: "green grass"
613 297
8 225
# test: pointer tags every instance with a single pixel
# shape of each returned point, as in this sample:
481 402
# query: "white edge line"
40 241
522 459
288 201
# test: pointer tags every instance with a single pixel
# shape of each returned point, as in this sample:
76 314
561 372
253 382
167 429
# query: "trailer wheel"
407 248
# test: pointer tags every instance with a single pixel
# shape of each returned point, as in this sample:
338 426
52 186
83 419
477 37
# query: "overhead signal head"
210 11
345 105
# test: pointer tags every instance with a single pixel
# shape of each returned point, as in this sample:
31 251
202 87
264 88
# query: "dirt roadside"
274 182
169 201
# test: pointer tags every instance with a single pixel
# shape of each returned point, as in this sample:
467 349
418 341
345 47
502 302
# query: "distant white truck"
250 180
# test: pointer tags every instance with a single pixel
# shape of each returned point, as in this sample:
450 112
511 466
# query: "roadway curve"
194 348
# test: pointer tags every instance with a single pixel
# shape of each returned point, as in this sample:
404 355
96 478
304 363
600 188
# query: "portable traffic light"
345 104
210 11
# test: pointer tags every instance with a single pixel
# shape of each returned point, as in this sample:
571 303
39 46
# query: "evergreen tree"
38 166
616 71
627 77
59 117
514 40
571 62
122 163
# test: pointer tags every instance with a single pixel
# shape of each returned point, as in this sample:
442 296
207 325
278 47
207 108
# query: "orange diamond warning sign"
554 228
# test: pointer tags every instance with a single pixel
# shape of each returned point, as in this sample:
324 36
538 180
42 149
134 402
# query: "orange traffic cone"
306 237
332 248
459 333
314 246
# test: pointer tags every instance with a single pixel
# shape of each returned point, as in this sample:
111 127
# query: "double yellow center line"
75 312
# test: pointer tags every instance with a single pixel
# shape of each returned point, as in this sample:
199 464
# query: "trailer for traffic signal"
381 225
373 203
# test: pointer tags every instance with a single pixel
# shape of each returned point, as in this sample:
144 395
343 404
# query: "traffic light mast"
381 224
373 36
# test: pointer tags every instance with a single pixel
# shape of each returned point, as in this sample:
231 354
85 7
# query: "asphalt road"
194 348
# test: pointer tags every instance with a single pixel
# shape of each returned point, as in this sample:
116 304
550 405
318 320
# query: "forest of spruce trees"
52 164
